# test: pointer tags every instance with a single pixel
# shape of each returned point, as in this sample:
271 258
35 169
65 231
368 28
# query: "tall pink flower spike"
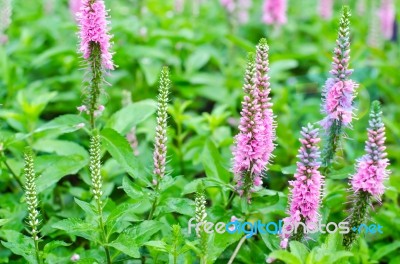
305 194
94 30
255 141
372 167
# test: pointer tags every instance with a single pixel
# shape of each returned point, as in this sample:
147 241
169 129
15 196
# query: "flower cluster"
255 141
387 16
305 195
274 12
95 166
94 31
160 144
371 172
372 167
339 91
31 195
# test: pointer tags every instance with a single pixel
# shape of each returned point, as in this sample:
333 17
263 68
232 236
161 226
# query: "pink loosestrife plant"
274 12
305 193
371 172
255 141
94 31
387 17
95 48
325 8
339 91
160 144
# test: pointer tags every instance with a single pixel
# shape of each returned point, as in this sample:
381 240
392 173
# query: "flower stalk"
367 182
338 93
255 140
305 194
160 143
97 183
32 201
200 217
95 45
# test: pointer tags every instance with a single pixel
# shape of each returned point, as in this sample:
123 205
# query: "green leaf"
285 256
121 151
63 124
157 244
52 168
4 221
60 147
20 245
219 242
299 250
342 173
180 205
118 213
198 59
131 115
133 238
213 163
53 245
89 209
133 190
78 227
385 250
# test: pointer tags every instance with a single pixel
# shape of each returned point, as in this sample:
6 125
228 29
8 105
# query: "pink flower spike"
372 167
387 15
305 192
94 30
274 12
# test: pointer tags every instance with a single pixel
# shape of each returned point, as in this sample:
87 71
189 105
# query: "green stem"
95 83
228 205
3 158
180 143
103 232
237 250
331 146
358 217
153 208
37 251
154 205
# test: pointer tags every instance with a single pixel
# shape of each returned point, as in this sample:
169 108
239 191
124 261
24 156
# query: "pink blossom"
305 192
325 8
387 17
274 12
255 141
82 108
372 167
338 102
75 257
339 90
94 30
